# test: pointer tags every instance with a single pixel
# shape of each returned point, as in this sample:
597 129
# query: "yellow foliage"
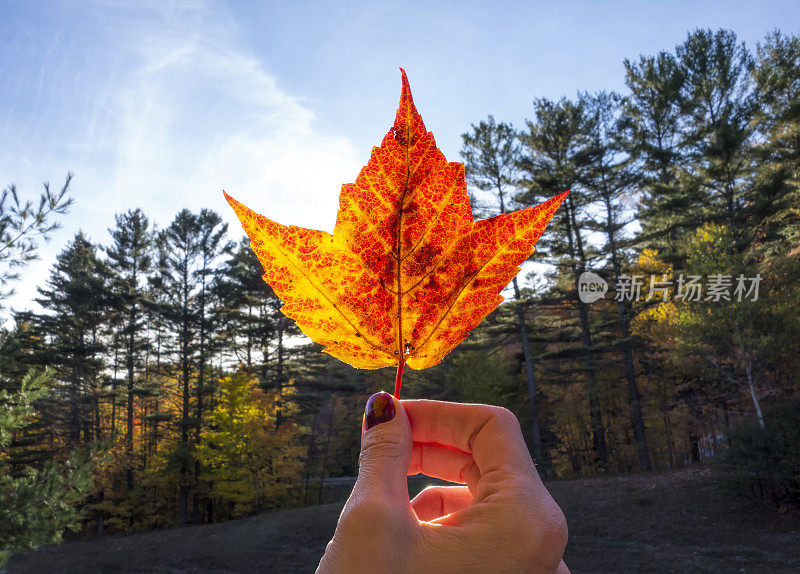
648 263
250 462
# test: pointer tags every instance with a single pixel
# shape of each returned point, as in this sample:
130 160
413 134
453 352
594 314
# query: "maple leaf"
407 274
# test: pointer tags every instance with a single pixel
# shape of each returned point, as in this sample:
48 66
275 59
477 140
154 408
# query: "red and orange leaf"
406 274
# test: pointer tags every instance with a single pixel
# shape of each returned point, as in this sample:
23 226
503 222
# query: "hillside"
666 522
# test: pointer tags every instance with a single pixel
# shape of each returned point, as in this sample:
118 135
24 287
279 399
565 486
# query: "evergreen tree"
212 246
39 500
247 303
21 223
652 125
719 104
188 252
550 146
491 157
40 503
777 77
75 301
131 259
175 284
604 170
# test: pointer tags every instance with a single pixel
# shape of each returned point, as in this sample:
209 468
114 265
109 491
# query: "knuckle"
468 472
428 492
505 417
381 442
507 423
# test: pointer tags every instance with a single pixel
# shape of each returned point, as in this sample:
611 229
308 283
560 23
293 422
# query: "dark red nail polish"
380 409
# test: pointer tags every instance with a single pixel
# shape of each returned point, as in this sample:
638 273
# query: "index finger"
492 435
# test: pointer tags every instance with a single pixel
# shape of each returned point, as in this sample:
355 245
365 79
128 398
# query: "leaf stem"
398 381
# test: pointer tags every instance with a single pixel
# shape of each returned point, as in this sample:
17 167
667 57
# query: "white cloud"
178 111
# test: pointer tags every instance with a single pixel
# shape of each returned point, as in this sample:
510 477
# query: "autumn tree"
251 462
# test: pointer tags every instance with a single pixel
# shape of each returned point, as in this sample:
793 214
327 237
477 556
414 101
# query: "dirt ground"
657 523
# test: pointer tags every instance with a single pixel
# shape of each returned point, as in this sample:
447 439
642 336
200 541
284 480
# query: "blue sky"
161 105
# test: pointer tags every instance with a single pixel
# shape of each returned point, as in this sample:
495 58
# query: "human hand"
502 521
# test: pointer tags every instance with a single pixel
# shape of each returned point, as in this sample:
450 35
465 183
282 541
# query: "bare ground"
666 522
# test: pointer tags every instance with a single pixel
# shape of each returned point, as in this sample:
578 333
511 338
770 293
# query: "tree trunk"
129 429
311 450
325 455
751 383
100 517
114 392
279 393
634 398
595 415
529 373
536 437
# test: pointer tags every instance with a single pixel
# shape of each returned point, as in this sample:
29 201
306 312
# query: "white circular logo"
591 287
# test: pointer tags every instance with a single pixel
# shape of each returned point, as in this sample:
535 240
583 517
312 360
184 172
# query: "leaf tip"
405 94
408 123
557 200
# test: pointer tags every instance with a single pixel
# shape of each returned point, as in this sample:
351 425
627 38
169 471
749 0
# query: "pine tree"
39 504
719 104
131 259
175 284
247 303
605 170
652 125
188 252
550 146
75 301
21 224
776 74
491 157
39 501
212 246
253 309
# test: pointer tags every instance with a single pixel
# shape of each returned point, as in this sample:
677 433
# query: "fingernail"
380 409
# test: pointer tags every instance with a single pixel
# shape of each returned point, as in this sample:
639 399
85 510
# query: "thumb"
386 446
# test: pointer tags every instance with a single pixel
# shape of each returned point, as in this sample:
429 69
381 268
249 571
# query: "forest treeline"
201 402
684 199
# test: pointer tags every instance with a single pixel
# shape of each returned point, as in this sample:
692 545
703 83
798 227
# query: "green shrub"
764 464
